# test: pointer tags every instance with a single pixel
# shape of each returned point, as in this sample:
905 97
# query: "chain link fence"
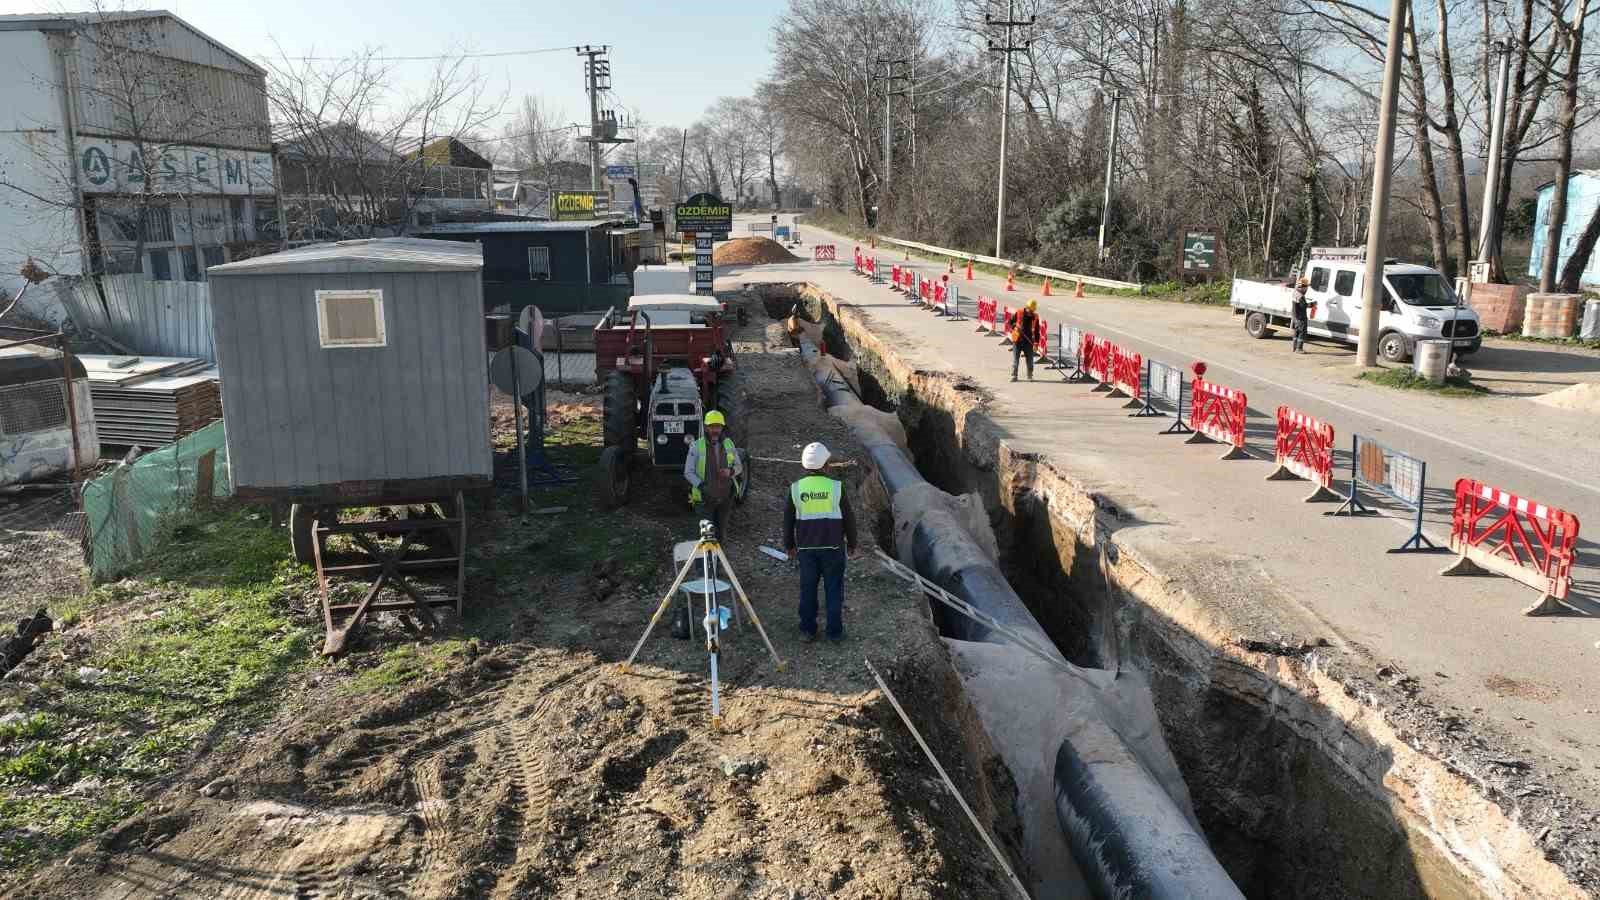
42 536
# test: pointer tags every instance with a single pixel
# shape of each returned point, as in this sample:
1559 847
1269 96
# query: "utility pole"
1491 174
1373 292
594 70
1005 113
1111 169
889 93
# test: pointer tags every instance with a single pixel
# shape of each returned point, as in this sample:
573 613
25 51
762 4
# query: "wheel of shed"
301 538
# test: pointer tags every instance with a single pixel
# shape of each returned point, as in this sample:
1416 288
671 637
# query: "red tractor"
671 351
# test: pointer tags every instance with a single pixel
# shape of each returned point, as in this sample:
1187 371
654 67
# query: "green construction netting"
128 508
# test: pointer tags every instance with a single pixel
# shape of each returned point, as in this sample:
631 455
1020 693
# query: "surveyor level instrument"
713 564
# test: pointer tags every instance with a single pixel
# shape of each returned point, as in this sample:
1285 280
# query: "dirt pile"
751 251
1575 398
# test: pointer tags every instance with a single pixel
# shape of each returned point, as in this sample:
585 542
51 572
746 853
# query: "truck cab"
1418 304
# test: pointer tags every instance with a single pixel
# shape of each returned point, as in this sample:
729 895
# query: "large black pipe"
1128 835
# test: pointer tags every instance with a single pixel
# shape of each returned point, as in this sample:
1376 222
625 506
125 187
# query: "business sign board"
702 213
107 166
567 206
1201 252
704 270
619 174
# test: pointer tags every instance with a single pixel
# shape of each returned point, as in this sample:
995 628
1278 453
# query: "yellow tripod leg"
666 601
750 608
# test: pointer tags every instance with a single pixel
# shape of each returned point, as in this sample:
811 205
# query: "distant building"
1583 195
339 182
130 142
560 266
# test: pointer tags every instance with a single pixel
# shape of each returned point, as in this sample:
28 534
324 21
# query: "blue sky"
670 59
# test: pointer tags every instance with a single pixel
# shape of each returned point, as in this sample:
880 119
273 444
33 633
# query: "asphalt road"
1536 679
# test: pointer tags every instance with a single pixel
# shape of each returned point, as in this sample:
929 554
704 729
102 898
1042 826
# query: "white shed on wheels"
353 375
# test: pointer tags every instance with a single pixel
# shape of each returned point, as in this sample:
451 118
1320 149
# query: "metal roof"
679 302
513 227
70 21
374 255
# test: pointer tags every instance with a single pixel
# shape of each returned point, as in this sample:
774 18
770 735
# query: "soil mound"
751 251
1577 397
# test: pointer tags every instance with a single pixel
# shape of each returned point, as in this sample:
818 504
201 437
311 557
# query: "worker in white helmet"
714 477
819 529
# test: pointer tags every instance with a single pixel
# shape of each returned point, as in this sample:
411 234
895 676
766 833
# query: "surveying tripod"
713 562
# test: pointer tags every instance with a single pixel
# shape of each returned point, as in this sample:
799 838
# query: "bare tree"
354 155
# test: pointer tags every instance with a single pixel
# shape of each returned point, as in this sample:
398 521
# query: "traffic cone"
951 269
1047 287
969 270
1011 281
1078 294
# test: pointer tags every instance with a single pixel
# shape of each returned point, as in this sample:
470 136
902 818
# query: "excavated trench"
1300 789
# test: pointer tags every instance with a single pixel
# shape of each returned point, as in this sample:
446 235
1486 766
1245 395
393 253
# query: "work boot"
808 637
1013 377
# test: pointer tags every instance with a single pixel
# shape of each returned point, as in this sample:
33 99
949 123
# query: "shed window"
350 318
539 263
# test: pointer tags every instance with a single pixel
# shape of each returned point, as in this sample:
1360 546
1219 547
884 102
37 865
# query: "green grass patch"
209 640
400 666
1407 380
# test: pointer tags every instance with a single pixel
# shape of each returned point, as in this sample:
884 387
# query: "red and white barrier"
1097 358
1495 531
1217 415
1126 369
1303 448
938 295
894 278
824 253
1008 321
1041 341
986 315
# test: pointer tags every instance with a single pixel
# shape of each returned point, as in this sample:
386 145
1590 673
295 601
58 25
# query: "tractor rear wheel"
620 414
734 401
613 479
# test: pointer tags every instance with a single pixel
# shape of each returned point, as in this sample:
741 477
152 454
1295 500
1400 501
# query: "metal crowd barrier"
1165 383
1389 473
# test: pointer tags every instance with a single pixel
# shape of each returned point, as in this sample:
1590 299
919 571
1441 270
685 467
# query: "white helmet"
815 456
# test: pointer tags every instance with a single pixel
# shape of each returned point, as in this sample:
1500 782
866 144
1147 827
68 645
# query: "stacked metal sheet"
151 400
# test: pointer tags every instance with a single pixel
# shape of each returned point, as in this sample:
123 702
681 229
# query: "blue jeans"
827 565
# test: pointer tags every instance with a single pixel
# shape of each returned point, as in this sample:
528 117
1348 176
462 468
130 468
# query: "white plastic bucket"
1431 359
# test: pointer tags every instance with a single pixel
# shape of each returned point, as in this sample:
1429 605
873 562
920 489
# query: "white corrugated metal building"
82 153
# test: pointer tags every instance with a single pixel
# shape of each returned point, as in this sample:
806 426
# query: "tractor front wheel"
620 414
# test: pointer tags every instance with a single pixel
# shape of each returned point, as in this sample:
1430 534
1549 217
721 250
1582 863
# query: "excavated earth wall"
1306 777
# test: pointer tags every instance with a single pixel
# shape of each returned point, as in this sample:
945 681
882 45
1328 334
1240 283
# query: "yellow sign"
566 205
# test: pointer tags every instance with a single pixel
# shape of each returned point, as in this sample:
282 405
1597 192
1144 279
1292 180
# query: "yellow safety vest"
818 512
700 456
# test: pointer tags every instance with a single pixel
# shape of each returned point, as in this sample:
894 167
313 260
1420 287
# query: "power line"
436 56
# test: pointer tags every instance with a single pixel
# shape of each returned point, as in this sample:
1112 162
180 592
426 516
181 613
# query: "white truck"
1419 304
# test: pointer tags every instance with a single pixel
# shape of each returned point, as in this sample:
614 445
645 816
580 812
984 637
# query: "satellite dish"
529 370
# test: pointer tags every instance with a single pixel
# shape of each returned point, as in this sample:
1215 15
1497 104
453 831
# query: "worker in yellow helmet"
715 476
1023 333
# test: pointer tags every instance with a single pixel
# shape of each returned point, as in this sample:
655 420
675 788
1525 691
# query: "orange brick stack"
1500 306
